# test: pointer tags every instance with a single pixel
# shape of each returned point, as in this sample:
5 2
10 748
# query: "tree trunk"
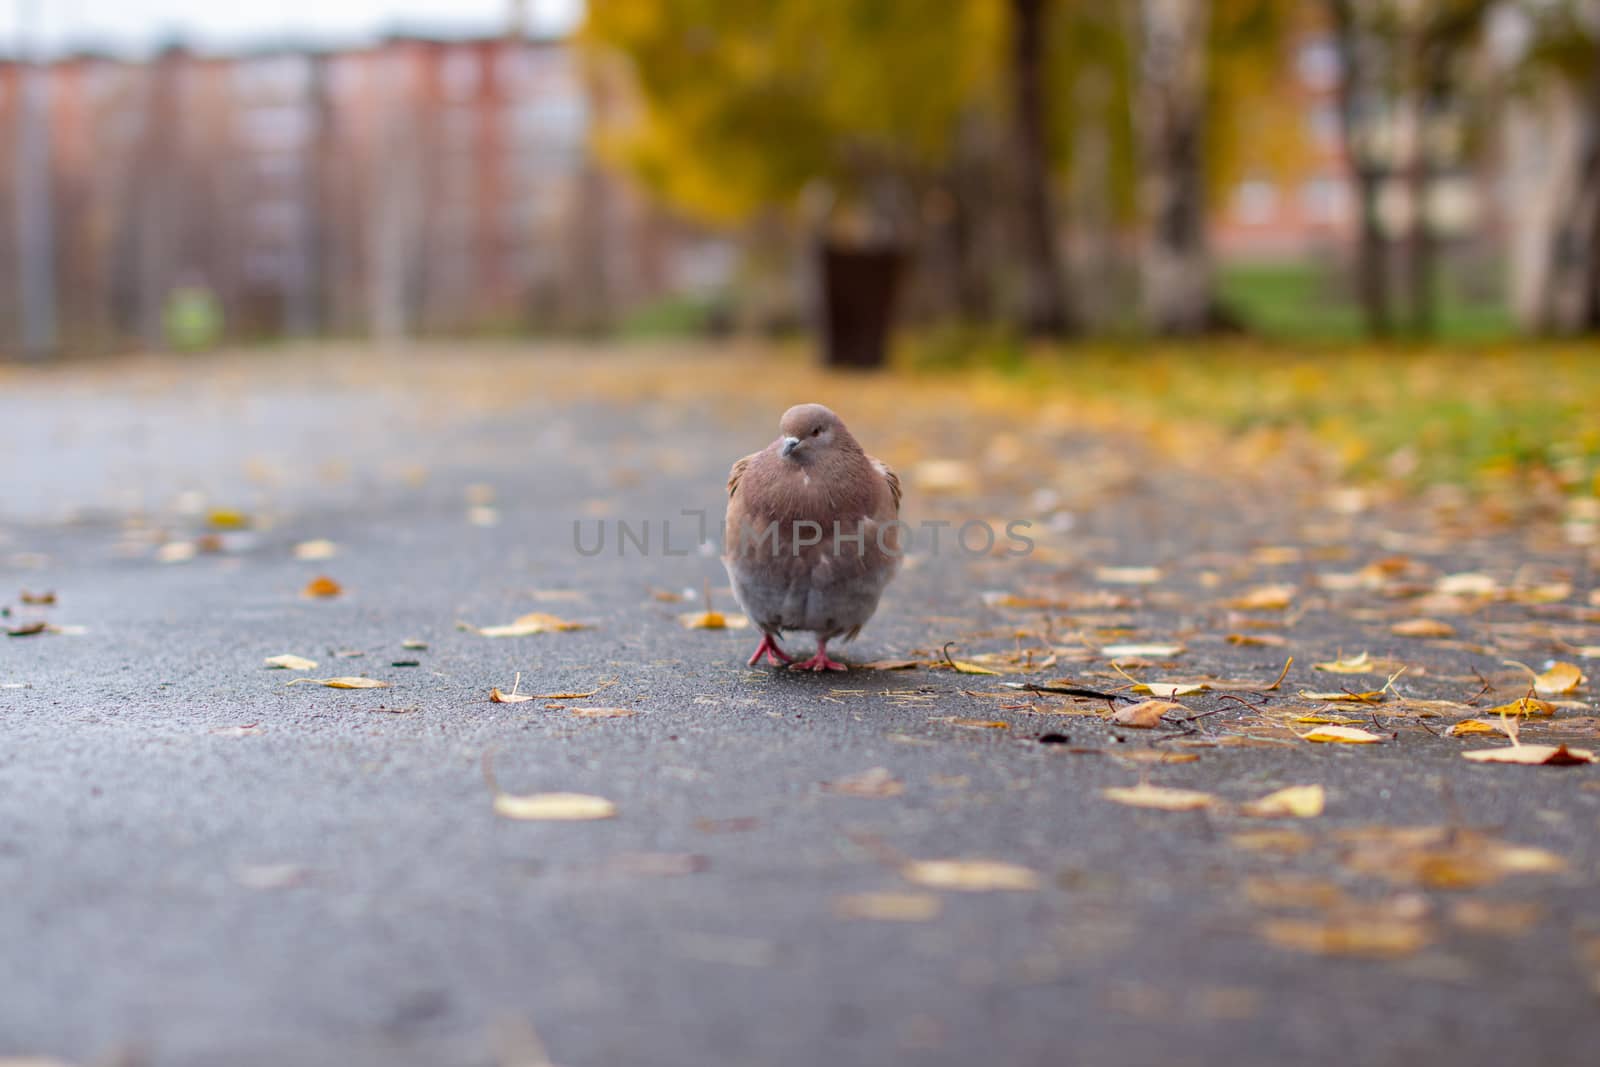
1419 247
1372 282
1047 312
1569 299
1178 293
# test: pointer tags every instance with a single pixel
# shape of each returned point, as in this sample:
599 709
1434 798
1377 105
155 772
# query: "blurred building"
413 186
1295 196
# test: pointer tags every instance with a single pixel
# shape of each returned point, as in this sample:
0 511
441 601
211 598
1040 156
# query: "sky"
136 25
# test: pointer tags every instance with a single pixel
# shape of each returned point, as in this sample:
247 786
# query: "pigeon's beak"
789 445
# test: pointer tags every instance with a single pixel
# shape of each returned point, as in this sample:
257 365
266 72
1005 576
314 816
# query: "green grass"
1480 416
1309 302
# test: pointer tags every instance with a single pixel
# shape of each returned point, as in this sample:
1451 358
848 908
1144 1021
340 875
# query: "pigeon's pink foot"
769 648
819 662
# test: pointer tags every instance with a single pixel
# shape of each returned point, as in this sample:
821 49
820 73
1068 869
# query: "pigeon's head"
809 431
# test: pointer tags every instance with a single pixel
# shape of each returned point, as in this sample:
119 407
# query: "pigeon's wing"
888 475
738 472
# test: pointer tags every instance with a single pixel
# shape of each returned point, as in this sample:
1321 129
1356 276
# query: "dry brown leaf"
1362 664
322 586
980 724
1265 598
1441 857
1151 755
1160 798
1533 755
38 600
1295 801
1127 575
536 622
888 907
1379 938
1422 628
1347 735
1293 892
712 620
972 876
1169 690
888 665
1146 714
288 662
513 697
1258 640
1495 916
1286 841
27 629
342 683
553 807
1374 696
1327 720
875 782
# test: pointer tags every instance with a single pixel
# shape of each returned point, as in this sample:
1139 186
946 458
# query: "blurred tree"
1406 67
842 113
1561 282
1359 55
1201 63
1047 312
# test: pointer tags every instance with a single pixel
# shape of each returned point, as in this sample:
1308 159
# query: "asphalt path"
200 864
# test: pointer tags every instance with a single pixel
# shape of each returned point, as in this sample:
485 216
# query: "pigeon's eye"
817 432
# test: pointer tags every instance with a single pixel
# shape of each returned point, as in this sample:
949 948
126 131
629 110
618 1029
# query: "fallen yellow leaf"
603 713
1297 801
1160 798
1422 628
1154 651
964 667
1347 735
315 550
289 662
712 620
536 622
888 907
971 876
513 697
876 782
553 807
342 683
1381 938
1127 575
322 586
1361 664
1533 755
1470 584
1560 679
1475 726
1526 706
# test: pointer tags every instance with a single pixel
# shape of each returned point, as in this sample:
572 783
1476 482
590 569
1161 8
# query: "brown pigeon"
813 534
